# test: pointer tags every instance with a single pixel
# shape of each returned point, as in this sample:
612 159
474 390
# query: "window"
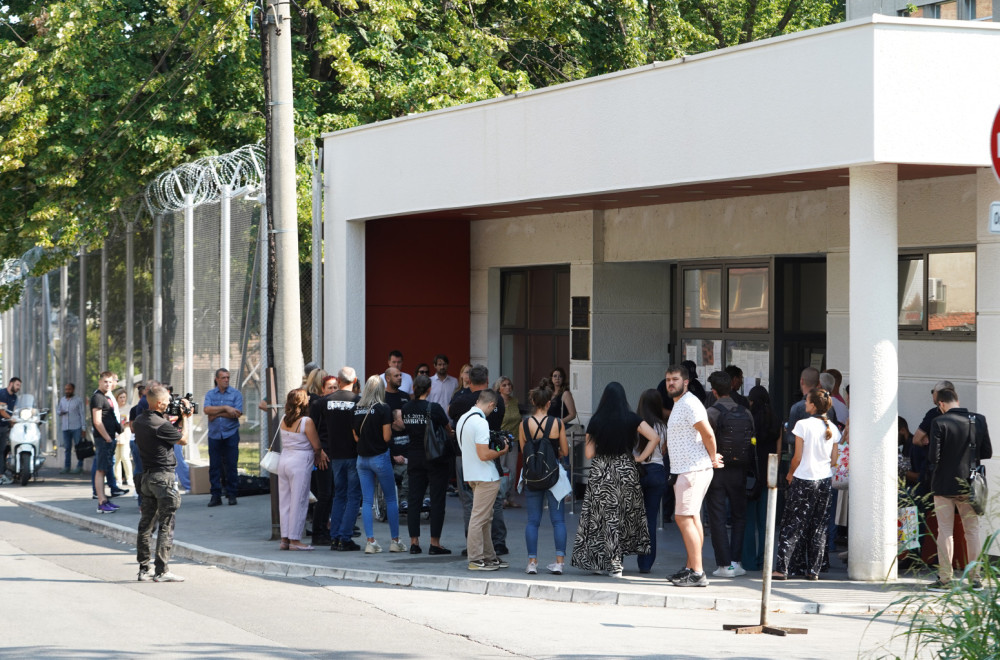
937 293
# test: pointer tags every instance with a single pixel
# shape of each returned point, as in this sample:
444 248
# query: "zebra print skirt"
613 516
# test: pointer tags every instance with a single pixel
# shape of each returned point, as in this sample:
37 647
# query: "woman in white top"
123 454
810 478
300 451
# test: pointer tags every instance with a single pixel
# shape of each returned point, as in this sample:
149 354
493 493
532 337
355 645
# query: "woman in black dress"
613 517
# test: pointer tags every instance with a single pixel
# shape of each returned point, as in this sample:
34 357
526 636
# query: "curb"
505 588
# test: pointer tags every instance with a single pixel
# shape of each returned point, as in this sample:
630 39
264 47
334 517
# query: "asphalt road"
68 593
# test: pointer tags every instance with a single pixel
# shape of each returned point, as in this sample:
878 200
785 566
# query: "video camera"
182 405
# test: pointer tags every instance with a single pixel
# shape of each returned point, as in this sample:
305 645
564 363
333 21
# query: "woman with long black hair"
768 428
612 520
652 473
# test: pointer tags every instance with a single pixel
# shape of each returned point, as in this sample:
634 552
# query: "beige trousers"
944 508
480 543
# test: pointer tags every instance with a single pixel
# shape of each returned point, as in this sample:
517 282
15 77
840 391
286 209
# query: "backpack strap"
548 426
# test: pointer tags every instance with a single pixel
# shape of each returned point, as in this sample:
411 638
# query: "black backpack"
541 465
734 434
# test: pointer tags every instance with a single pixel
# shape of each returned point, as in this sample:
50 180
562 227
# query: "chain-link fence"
174 293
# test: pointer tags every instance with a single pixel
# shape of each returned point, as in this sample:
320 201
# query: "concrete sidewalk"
237 538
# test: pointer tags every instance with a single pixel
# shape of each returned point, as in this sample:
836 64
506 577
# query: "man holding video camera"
155 438
224 407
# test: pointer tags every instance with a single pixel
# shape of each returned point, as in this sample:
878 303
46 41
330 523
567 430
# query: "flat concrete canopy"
785 114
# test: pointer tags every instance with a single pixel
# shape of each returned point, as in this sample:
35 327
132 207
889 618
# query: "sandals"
283 546
305 548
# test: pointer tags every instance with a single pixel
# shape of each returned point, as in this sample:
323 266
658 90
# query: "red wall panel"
416 292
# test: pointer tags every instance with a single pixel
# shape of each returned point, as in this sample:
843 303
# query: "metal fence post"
129 308
83 322
224 264
157 366
188 293
103 348
317 257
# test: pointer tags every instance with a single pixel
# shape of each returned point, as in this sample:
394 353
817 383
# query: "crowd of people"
699 453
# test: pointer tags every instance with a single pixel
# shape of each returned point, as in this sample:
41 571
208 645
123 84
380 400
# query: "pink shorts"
689 491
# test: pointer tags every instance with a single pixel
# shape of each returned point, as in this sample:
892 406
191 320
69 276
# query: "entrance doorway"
534 325
800 324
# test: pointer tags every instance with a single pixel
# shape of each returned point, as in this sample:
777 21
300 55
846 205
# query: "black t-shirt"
333 416
463 402
10 400
370 438
100 401
155 437
614 436
930 416
415 418
396 401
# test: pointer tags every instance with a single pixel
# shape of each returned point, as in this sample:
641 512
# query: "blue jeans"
109 473
653 484
70 438
222 456
182 471
346 498
378 467
534 499
755 533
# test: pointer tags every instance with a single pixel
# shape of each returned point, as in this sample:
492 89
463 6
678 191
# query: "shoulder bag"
85 448
271 458
435 438
978 491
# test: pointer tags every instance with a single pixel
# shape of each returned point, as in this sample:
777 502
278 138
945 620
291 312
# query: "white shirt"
816 449
473 430
442 390
407 385
687 451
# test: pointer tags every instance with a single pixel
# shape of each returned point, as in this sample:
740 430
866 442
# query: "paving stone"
549 592
467 585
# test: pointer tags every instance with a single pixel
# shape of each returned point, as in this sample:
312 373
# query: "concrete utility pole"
287 331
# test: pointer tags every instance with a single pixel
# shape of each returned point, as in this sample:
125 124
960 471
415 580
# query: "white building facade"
815 199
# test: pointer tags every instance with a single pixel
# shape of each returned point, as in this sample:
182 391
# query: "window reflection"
951 292
911 292
748 298
703 298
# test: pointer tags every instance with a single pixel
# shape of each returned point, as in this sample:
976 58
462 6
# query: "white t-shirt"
474 430
687 451
816 449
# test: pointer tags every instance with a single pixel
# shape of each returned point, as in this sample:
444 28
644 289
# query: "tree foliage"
99 96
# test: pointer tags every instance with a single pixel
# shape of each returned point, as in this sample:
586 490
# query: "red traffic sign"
995 145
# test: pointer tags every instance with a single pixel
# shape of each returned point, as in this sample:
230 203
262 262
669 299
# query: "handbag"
435 439
271 458
85 449
978 491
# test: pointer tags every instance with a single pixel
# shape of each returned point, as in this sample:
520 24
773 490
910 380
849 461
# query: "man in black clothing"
396 398
155 437
479 377
333 416
959 440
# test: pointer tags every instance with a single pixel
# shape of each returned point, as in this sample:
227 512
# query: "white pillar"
317 259
343 284
988 340
874 372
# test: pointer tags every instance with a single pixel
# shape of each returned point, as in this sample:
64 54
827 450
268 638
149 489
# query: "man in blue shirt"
8 400
224 407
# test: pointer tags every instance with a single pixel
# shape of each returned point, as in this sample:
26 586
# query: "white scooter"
25 440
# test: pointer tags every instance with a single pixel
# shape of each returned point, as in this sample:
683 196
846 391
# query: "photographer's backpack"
734 435
541 465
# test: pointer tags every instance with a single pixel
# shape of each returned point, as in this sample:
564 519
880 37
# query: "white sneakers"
735 569
555 568
396 546
372 547
532 567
